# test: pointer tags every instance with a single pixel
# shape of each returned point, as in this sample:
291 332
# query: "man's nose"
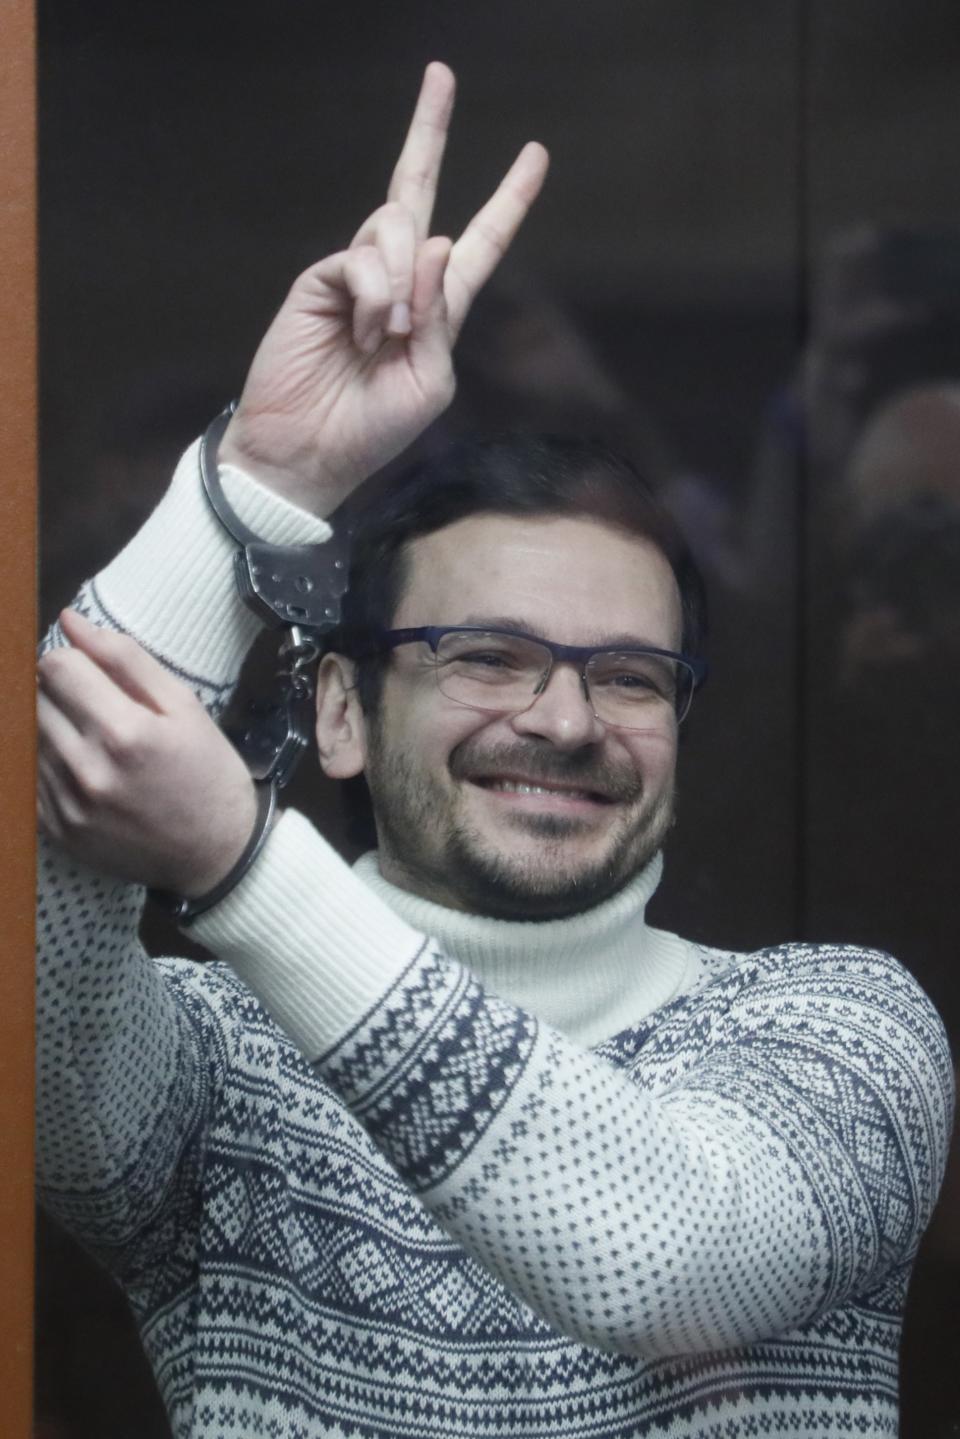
561 712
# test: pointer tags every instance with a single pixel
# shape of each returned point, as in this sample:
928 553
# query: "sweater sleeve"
122 1079
781 1152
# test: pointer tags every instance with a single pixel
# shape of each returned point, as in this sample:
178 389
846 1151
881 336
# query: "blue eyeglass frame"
580 655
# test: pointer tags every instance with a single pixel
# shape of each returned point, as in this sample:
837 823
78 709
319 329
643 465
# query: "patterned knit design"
213 697
290 1284
766 1177
424 1096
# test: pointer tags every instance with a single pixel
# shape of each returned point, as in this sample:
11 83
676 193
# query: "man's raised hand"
357 361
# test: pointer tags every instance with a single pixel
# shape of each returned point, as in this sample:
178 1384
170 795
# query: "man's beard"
442 856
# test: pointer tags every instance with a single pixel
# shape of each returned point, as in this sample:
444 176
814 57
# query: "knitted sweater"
404 1196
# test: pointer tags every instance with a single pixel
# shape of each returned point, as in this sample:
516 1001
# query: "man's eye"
628 680
635 680
628 684
485 659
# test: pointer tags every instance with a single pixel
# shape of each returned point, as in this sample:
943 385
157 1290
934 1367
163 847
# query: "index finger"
125 663
413 183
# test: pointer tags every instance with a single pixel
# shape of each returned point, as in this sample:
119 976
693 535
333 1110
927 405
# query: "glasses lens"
633 690
490 671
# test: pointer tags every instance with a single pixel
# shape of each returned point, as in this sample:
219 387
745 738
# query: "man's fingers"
368 285
126 663
106 687
54 812
429 344
414 181
430 332
87 698
72 772
391 232
58 740
487 238
432 260
358 280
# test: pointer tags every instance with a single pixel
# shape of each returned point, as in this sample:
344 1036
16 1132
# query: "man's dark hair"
513 474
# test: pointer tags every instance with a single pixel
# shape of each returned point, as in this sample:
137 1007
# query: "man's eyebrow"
622 640
502 622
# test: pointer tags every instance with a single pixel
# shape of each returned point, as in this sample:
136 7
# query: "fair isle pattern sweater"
390 1201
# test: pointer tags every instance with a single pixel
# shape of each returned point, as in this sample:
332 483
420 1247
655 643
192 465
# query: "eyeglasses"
503 671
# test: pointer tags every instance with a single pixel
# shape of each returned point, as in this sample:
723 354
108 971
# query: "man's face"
548 811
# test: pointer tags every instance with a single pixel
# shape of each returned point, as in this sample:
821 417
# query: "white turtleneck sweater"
588 976
438 1210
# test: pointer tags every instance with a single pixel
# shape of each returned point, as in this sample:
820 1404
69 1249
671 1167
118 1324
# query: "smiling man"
453 1143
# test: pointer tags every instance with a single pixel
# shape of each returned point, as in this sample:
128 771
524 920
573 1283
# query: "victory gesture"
358 360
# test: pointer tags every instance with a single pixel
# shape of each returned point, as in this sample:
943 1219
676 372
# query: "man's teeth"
515 787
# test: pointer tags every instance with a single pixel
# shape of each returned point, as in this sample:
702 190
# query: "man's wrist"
299 479
208 885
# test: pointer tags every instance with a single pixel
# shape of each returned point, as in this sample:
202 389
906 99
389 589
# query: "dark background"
747 250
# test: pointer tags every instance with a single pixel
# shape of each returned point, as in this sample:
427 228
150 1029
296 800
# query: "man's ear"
341 727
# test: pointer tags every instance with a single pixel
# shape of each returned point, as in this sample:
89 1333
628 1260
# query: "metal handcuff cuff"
296 588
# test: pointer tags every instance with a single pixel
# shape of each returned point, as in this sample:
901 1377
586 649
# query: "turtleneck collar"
589 975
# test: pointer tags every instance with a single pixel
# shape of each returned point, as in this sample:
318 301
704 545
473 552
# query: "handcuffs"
296 588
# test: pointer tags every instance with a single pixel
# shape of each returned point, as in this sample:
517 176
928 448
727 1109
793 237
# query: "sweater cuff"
172 586
315 945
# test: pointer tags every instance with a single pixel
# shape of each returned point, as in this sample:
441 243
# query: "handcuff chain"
299 650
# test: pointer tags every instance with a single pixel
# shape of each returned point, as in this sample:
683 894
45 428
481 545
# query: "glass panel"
711 172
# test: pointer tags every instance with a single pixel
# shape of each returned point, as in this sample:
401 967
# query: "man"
439 1210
